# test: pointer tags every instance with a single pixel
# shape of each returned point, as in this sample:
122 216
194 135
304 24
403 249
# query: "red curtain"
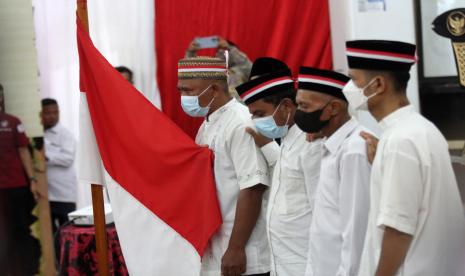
296 31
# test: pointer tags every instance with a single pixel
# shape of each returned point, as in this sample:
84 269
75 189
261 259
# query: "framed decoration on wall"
436 57
442 99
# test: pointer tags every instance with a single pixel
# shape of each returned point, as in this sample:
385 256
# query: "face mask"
268 127
310 122
356 96
191 106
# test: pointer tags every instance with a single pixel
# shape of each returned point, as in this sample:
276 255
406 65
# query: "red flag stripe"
144 151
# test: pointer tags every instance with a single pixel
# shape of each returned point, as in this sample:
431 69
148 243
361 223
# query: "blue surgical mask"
268 127
191 106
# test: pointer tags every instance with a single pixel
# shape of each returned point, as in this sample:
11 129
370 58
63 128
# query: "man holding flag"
164 218
240 246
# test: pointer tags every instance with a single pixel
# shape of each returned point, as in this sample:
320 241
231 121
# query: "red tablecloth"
78 255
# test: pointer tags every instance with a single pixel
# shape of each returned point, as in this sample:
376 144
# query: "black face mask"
310 122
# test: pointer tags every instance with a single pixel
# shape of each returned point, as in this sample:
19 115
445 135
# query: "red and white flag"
164 197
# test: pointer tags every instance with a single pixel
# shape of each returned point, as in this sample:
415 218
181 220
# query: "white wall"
122 30
55 27
18 64
396 22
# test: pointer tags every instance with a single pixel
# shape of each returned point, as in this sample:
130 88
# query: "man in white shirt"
60 151
296 165
239 247
340 214
416 223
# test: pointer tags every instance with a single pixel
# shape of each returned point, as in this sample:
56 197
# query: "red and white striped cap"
266 85
380 55
323 81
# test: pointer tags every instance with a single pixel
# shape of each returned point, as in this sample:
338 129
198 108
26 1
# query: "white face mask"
356 95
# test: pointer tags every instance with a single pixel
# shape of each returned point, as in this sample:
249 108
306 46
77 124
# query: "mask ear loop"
211 101
288 114
368 85
208 105
274 112
288 117
326 105
205 90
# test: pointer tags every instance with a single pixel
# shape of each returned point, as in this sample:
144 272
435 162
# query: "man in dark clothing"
18 249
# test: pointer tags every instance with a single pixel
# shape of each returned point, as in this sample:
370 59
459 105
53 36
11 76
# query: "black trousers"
19 251
59 216
59 213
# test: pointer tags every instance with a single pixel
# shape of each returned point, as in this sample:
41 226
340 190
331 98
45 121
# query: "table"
77 251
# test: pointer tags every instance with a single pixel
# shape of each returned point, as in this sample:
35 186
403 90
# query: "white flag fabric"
90 165
164 220
149 245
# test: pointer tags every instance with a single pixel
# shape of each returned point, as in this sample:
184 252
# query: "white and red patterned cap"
202 68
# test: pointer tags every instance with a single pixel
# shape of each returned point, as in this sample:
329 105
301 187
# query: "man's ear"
380 84
216 88
287 104
336 107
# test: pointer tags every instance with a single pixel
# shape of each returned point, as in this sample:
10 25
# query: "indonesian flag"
163 195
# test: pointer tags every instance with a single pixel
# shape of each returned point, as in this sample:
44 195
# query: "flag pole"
97 190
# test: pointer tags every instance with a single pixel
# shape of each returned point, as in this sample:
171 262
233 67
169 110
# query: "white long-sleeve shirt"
238 165
296 166
414 190
60 152
340 216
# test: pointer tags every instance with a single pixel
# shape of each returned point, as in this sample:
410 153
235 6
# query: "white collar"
293 133
333 142
391 119
212 118
54 129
